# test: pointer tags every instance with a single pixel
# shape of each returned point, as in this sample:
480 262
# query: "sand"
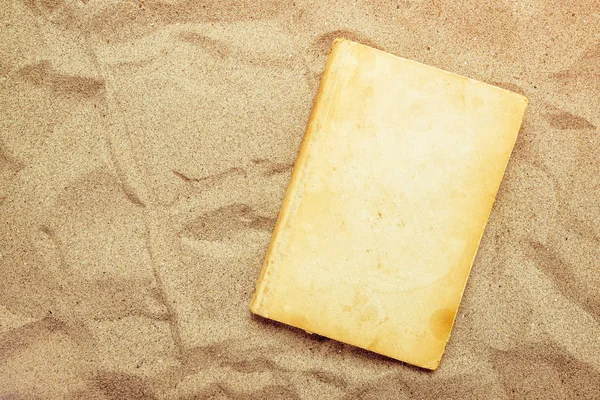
145 147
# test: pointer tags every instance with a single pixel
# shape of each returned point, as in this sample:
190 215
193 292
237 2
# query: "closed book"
387 203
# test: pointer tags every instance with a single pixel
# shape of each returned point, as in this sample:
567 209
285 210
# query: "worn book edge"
328 90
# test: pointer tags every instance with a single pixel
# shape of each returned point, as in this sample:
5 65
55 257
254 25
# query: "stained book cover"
387 203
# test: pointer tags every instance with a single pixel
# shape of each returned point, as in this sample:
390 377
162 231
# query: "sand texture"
145 147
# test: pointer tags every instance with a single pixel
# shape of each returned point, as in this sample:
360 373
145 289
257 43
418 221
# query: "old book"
387 203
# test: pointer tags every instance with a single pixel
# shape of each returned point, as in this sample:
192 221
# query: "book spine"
325 96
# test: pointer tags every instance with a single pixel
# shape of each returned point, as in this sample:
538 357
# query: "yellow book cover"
387 203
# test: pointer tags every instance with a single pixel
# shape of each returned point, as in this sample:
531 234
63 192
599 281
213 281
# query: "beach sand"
145 147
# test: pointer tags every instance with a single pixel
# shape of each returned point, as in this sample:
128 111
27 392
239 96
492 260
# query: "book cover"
387 203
